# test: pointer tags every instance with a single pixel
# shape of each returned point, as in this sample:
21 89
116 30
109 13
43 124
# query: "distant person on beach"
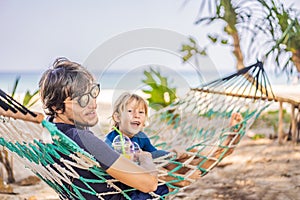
68 93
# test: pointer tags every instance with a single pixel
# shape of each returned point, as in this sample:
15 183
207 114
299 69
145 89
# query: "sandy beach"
258 169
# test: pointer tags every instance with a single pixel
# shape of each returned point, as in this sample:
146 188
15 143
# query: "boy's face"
77 115
132 119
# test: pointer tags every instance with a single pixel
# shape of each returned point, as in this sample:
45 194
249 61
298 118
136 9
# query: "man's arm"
121 168
141 177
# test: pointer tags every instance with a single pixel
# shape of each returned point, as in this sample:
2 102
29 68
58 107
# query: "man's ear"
116 117
58 111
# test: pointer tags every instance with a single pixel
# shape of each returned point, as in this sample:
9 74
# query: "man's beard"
82 125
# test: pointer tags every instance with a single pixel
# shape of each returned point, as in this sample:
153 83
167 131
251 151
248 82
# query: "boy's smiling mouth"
135 123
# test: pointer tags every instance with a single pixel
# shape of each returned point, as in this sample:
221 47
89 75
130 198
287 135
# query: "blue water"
109 80
120 80
28 81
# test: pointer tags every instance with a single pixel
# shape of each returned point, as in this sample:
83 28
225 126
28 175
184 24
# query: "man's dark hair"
64 79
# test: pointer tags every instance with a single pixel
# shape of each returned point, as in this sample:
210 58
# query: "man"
68 92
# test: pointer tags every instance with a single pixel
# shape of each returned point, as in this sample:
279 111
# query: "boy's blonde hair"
123 100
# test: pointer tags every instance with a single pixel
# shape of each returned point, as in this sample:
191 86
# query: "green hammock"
199 122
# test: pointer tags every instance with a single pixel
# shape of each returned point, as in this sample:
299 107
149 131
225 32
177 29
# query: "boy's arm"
145 142
147 146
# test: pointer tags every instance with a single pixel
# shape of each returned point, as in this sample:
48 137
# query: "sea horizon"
125 80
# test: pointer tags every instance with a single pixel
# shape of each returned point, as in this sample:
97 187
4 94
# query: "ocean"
108 80
130 80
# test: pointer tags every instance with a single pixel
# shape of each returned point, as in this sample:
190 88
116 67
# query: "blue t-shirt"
102 153
141 139
144 142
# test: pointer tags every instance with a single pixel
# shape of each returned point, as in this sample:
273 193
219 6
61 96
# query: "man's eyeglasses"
84 99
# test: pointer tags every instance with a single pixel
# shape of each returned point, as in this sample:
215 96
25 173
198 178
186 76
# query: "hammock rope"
199 122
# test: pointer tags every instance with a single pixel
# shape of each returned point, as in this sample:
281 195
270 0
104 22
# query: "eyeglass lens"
85 98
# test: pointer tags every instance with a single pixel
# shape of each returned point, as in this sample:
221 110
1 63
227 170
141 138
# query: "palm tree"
282 28
236 14
264 20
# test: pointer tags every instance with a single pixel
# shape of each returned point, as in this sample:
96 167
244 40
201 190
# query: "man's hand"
146 161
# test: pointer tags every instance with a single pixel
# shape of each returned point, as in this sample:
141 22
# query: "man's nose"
93 103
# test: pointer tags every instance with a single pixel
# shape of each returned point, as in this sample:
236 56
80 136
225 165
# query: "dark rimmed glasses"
84 99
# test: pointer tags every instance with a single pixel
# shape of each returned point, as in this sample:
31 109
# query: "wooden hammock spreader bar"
290 99
234 95
11 108
18 115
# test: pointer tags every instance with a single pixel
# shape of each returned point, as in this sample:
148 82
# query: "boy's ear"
116 117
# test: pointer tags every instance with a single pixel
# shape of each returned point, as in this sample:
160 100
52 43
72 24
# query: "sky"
33 33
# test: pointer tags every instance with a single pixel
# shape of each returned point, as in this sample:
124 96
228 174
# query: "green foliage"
283 19
29 98
281 25
213 39
191 49
229 15
270 119
15 86
258 136
234 15
217 38
161 94
231 12
271 29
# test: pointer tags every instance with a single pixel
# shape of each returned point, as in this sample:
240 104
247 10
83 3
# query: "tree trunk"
240 62
296 59
5 161
237 51
5 188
